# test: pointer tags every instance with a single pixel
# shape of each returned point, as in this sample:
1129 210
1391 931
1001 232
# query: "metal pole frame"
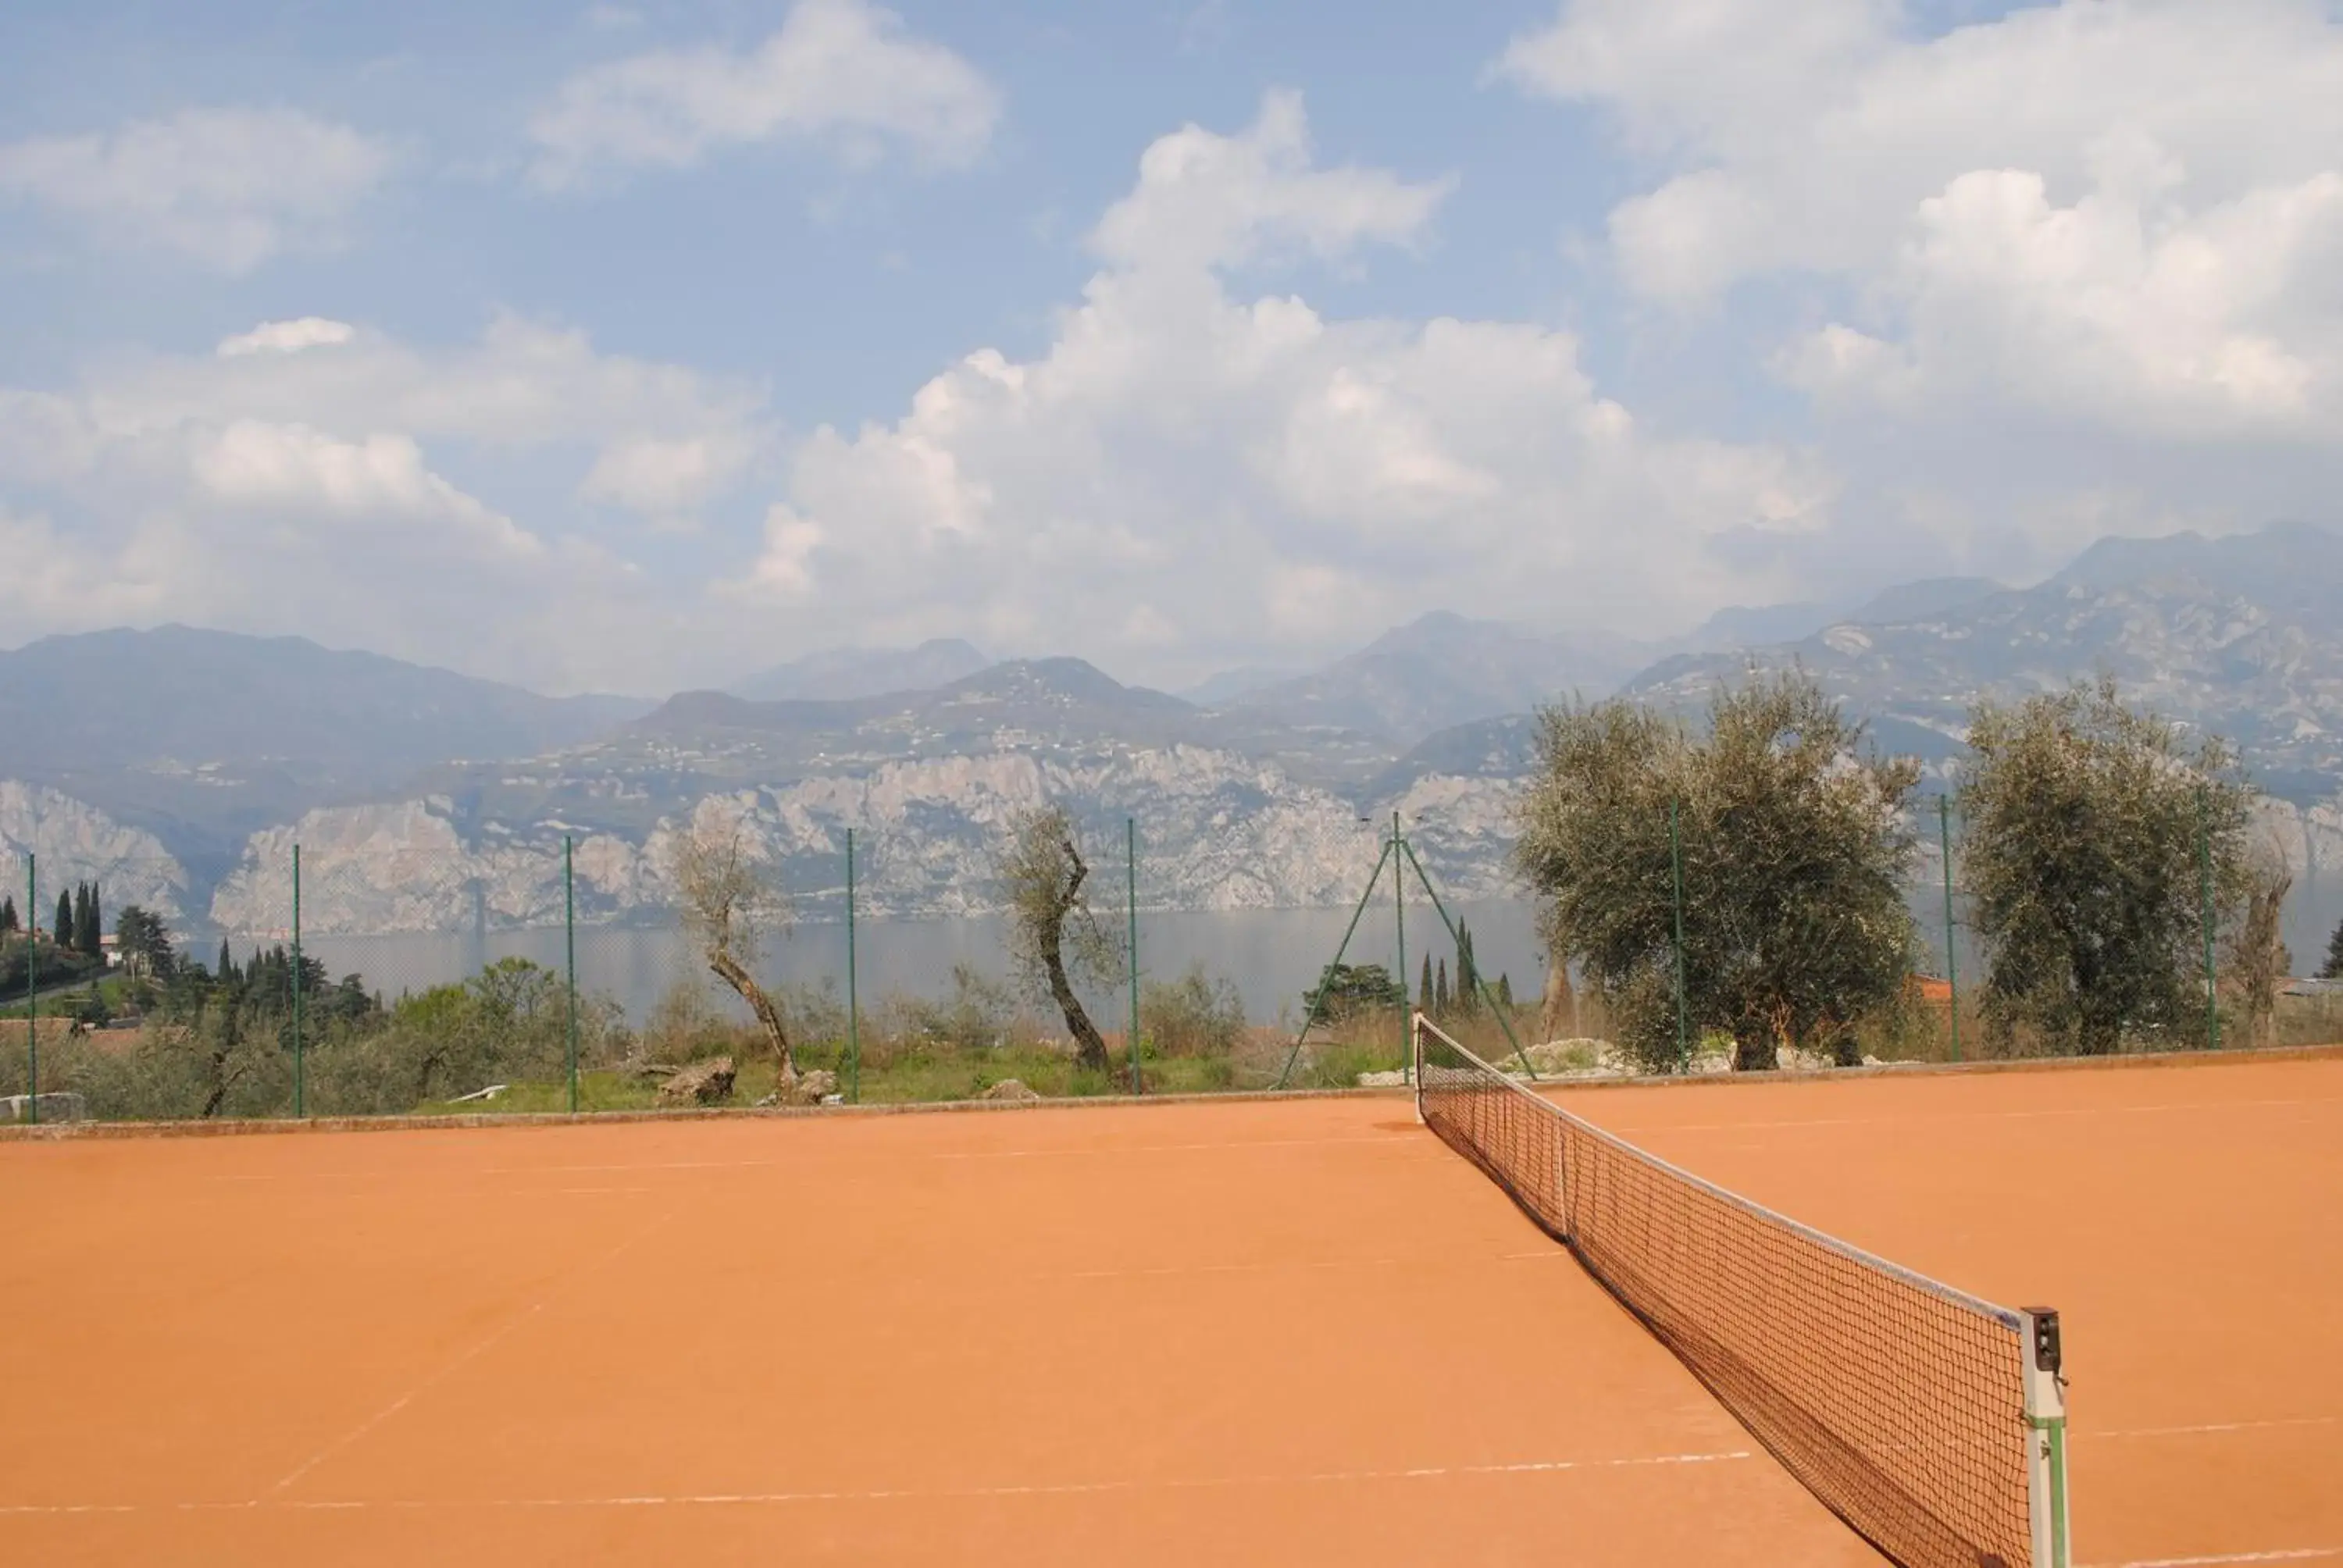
1131 903
1399 919
2205 860
1479 984
1676 866
33 985
2045 1422
569 945
299 1101
853 994
1952 970
1318 998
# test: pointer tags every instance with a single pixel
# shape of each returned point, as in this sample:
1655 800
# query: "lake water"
1271 956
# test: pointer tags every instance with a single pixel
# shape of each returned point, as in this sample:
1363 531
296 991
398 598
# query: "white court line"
1623 1128
461 1359
1062 1489
1277 1266
411 1174
1386 1142
2296 1554
406 1174
2213 1427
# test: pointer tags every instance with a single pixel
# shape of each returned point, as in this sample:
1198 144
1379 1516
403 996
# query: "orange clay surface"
2186 1222
1289 1332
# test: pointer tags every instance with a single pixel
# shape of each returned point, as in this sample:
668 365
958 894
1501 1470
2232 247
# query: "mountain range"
837 674
195 759
2240 636
204 738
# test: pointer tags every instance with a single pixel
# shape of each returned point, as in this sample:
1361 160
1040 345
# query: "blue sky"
641 346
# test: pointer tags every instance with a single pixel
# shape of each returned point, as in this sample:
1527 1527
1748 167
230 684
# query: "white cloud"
381 478
1185 465
1207 200
524 384
785 569
51 568
315 490
288 337
2186 325
229 188
837 70
1695 76
2123 213
671 477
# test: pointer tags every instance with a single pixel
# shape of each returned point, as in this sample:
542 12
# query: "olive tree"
1794 844
728 902
2255 951
1054 937
2089 829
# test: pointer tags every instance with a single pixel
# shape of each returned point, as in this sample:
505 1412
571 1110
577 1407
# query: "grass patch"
600 1090
931 1074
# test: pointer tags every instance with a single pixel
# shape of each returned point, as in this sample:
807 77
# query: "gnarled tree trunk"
730 970
1089 1046
1558 1013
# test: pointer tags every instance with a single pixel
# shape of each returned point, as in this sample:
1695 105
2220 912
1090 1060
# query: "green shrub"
1191 1016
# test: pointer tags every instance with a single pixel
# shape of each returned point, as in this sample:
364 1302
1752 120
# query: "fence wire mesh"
404 963
395 967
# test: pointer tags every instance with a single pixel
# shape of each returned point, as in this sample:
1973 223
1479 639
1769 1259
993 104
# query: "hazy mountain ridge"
2240 636
1440 670
842 674
206 737
78 842
1216 832
1248 804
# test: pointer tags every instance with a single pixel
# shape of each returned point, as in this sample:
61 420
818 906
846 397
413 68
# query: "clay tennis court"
1290 1331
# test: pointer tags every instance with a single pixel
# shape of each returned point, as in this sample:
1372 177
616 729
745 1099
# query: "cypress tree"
226 971
8 914
93 924
1440 997
2333 968
1468 972
62 933
1423 998
1505 992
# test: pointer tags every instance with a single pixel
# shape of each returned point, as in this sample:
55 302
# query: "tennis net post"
2046 1421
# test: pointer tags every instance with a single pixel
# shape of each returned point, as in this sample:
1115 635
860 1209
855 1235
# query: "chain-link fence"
397 967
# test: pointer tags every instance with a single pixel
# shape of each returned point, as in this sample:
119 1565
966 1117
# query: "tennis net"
1928 1419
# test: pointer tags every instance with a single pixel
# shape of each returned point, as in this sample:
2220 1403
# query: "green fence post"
300 1104
2205 864
1952 971
569 942
1130 901
853 996
1675 868
33 984
1399 925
